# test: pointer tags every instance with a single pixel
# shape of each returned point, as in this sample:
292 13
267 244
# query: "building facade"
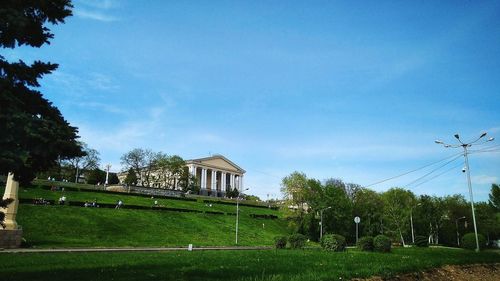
216 175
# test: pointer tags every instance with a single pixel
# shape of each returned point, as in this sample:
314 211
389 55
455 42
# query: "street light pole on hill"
238 212
465 146
321 222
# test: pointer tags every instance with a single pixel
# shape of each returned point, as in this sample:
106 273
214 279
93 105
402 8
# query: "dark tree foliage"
34 133
495 197
3 204
131 178
95 176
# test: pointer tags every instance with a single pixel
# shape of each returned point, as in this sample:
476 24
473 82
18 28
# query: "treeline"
443 220
148 168
80 169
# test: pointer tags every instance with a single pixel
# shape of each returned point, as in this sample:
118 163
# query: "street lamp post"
458 234
107 174
411 222
321 223
238 212
465 146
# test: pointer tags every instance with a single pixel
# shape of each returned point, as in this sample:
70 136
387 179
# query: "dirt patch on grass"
475 272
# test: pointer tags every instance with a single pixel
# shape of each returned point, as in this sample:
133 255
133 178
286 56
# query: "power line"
440 174
486 149
422 177
417 169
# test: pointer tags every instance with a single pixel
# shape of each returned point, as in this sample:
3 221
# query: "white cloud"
99 4
109 108
96 10
484 179
102 82
94 15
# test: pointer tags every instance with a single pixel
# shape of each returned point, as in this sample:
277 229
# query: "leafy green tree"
232 192
142 161
338 219
169 169
495 197
397 205
369 206
188 182
113 178
456 208
432 213
131 178
488 222
34 133
95 176
251 198
295 189
81 164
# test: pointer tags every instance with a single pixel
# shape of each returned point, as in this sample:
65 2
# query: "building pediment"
217 161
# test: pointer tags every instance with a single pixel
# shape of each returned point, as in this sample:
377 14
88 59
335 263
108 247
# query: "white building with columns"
216 174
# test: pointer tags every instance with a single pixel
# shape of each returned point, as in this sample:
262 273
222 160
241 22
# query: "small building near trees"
213 176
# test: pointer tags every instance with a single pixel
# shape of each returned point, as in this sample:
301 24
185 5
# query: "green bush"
280 242
469 241
382 243
421 241
297 241
365 243
333 242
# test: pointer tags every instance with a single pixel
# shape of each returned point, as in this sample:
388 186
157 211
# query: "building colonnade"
216 181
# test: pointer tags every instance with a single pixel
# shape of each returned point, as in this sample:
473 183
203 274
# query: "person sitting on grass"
62 200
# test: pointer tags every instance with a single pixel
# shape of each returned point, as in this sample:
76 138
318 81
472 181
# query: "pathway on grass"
130 249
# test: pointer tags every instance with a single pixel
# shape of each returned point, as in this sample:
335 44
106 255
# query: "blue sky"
357 91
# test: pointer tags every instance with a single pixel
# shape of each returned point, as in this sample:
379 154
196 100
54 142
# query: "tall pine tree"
33 133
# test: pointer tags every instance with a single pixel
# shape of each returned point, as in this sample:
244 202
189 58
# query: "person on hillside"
62 200
119 204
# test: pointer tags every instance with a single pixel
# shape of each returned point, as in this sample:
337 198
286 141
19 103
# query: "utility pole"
465 146
321 223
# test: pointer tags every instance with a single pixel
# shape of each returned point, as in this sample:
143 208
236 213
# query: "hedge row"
241 204
294 241
138 207
70 188
264 216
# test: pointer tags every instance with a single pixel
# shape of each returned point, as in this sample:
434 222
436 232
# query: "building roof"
217 161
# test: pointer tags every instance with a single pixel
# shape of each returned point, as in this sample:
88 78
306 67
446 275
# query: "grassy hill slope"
63 226
73 226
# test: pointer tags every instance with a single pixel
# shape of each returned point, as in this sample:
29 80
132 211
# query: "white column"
204 178
192 170
237 182
213 184
223 182
241 183
231 181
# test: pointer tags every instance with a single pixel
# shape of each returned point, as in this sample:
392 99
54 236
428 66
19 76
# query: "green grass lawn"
65 226
83 195
230 265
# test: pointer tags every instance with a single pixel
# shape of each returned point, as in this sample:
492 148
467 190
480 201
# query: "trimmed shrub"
333 242
469 241
382 243
365 243
421 241
280 242
297 241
